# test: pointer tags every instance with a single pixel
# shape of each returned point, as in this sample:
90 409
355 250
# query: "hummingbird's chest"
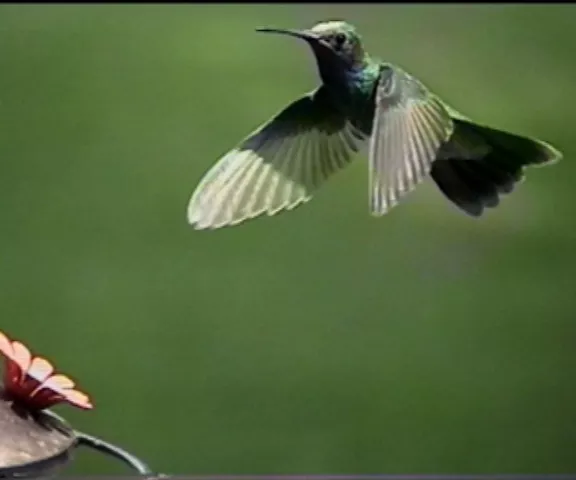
358 104
356 96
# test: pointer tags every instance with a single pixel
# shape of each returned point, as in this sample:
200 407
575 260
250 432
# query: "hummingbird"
362 103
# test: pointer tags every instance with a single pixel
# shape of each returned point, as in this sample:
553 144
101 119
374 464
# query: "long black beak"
302 34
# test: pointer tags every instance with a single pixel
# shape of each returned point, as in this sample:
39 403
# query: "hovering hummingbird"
410 134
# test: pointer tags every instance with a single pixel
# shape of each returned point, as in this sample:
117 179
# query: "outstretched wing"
278 166
410 126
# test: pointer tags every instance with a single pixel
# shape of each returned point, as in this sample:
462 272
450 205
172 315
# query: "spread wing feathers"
278 166
410 126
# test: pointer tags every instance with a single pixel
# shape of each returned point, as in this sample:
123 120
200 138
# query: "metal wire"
90 441
113 450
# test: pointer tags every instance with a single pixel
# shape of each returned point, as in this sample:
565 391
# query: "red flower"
31 381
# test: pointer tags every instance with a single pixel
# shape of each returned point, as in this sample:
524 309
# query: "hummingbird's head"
332 41
341 39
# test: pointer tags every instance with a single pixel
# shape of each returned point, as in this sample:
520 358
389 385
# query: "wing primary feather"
326 168
280 196
278 166
410 125
314 154
290 188
338 150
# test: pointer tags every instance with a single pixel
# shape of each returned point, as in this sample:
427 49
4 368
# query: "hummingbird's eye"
339 40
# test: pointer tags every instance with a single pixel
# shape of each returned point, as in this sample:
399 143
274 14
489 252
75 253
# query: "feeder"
34 441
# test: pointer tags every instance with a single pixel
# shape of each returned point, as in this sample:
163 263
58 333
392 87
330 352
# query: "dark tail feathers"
476 183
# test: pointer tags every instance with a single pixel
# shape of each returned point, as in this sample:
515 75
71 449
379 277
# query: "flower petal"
6 346
27 386
43 398
21 355
30 381
40 369
12 374
58 383
78 399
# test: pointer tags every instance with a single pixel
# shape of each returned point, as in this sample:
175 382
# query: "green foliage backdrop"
321 341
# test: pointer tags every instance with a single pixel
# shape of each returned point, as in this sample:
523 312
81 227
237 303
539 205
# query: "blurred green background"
320 341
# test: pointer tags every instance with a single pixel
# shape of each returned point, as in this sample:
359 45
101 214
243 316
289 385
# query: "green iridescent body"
361 90
410 132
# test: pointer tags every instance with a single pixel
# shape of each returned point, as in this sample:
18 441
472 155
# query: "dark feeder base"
41 444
